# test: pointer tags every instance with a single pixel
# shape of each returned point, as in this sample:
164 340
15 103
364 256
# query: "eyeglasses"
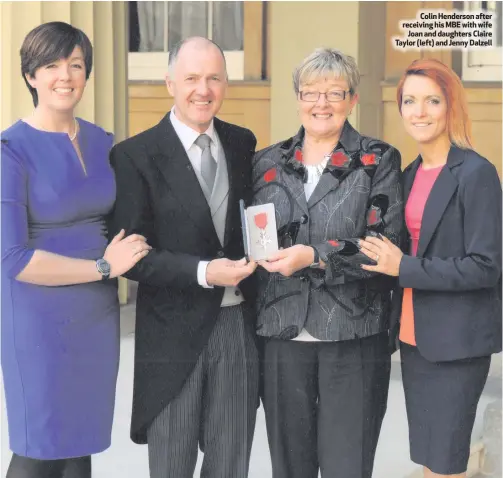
333 96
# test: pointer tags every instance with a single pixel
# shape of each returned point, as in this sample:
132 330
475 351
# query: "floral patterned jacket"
359 193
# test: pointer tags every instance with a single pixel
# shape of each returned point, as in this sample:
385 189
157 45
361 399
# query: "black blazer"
456 275
159 196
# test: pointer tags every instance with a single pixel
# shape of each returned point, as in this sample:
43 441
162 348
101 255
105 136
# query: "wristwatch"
316 260
103 268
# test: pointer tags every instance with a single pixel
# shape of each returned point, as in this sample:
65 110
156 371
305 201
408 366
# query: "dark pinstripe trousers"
216 408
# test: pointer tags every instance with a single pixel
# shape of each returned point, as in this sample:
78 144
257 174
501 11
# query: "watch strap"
316 260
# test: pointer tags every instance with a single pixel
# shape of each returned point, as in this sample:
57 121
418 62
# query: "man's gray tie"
208 163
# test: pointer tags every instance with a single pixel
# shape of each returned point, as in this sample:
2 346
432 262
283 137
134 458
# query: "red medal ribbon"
261 220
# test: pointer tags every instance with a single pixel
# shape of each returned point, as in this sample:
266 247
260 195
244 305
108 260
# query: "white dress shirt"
188 136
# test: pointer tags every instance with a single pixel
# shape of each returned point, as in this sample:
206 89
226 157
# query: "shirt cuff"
201 274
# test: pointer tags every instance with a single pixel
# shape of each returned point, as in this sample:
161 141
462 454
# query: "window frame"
484 64
152 66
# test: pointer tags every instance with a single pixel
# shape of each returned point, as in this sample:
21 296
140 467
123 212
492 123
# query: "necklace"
75 130
314 171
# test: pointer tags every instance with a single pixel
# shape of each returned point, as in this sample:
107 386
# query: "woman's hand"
384 252
123 253
290 260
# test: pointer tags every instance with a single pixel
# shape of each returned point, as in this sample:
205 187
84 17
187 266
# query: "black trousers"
24 467
324 404
216 409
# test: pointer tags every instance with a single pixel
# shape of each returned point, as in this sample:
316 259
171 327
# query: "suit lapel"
173 163
408 178
326 184
295 185
231 151
441 193
292 170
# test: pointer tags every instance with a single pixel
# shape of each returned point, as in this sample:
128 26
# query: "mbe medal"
261 223
259 231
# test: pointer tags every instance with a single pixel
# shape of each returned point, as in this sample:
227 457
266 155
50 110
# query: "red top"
423 182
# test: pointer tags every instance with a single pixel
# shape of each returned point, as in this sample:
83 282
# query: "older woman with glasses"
325 320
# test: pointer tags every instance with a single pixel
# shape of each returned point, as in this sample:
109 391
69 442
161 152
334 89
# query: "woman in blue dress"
60 313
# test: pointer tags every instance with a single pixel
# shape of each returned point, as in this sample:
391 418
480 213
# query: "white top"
188 136
314 172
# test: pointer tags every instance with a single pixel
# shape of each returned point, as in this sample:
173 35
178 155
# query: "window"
154 27
485 64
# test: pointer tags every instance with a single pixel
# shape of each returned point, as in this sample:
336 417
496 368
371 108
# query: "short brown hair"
458 121
50 42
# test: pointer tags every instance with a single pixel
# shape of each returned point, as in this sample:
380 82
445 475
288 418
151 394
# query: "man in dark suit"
179 184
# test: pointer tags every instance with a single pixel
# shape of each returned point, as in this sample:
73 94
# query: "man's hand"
290 260
227 273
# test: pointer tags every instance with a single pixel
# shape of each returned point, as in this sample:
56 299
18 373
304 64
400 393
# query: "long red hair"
458 123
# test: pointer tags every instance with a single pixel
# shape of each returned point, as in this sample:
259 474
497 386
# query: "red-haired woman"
450 273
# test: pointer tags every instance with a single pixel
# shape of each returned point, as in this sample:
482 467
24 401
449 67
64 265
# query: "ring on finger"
377 257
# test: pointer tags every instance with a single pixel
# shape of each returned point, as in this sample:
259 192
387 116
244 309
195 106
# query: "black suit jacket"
456 275
159 196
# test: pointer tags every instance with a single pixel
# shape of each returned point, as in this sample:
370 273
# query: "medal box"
258 224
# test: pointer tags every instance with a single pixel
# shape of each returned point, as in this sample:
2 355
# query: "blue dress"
60 345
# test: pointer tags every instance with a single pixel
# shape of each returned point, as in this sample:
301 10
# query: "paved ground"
127 460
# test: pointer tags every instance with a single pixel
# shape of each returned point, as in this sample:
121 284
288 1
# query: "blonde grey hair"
326 63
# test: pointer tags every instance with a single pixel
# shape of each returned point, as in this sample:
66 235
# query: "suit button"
220 254
236 292
304 219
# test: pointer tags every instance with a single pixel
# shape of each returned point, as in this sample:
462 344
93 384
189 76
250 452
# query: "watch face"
103 266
